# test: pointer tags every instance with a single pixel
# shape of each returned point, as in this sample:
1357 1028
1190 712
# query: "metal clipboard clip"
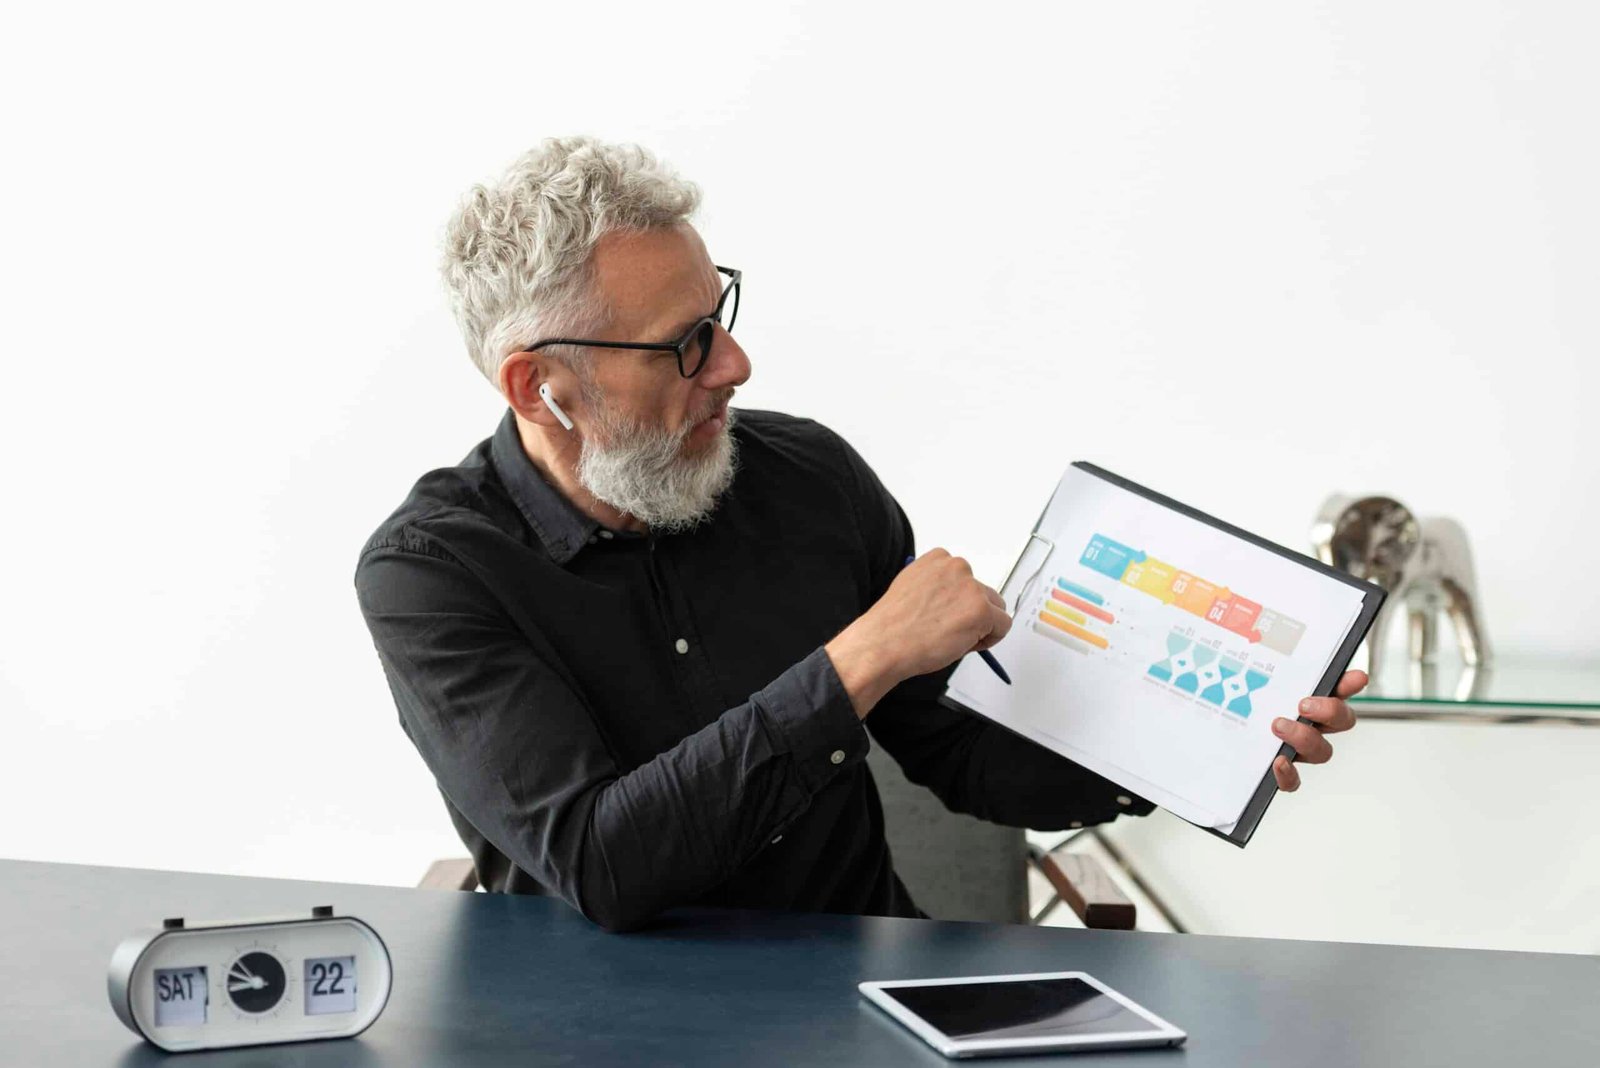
1022 593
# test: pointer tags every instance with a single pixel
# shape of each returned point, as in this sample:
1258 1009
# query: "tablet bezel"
1165 1034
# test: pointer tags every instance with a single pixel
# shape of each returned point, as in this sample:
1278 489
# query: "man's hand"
933 614
1328 715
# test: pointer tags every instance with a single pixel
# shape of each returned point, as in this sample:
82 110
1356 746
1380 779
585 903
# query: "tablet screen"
1030 1008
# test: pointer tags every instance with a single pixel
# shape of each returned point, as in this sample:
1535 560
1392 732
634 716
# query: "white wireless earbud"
550 402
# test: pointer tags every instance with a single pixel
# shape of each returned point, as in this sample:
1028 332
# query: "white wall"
1248 254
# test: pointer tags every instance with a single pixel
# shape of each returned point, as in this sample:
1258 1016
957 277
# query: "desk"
492 980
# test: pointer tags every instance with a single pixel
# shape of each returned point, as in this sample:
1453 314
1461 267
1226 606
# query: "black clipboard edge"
1372 598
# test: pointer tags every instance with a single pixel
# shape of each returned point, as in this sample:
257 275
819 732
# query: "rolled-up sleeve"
518 754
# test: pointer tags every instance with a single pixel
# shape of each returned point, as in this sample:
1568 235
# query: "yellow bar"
1077 632
1062 610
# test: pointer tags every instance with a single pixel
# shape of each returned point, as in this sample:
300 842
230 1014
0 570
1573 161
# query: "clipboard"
1039 550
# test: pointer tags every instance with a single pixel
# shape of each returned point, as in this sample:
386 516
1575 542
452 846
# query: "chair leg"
1045 910
1127 868
453 873
1083 884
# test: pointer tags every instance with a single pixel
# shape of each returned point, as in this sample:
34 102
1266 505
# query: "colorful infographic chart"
1196 668
1211 602
1192 662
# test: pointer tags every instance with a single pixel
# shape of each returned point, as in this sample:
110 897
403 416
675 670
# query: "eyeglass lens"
694 353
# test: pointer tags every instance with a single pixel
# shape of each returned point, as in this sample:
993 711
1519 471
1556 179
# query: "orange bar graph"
1083 606
1073 629
1065 613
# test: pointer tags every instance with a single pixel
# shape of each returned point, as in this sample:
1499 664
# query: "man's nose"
727 365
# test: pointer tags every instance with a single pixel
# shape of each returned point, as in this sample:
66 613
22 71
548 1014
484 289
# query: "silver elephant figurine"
1424 564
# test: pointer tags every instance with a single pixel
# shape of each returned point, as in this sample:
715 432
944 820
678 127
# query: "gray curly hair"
518 253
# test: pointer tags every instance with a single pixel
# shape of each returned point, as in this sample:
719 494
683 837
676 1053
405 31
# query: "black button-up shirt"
634 721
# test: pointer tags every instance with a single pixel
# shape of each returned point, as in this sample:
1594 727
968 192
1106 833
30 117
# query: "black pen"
988 657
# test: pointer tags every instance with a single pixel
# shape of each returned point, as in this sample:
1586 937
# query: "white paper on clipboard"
1156 649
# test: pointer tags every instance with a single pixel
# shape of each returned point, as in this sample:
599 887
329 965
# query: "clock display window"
330 984
181 996
256 982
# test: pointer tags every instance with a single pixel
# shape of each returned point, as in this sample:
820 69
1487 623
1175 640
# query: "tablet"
987 1015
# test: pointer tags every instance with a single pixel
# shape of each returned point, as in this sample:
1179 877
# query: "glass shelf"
1569 687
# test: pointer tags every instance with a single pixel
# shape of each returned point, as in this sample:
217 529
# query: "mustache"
714 409
639 433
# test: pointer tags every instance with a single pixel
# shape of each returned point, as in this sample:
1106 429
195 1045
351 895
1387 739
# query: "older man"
636 633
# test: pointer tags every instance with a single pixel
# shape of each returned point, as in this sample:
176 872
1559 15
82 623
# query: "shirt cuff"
812 712
1138 806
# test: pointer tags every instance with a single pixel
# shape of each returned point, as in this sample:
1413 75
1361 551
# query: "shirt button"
778 839
1124 799
681 645
837 756
606 534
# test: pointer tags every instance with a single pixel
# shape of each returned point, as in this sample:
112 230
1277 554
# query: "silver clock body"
189 986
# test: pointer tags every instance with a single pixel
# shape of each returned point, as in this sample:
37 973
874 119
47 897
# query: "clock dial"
256 982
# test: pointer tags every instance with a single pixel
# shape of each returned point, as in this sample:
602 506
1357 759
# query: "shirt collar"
559 524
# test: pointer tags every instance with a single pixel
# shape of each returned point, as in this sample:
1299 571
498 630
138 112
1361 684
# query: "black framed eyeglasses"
695 344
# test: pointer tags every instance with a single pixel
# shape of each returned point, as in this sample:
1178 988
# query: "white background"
1247 254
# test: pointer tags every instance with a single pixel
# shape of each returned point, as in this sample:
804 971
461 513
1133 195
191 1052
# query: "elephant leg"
1422 634
1463 611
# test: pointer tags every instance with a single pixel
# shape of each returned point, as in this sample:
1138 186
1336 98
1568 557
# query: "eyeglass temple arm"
736 274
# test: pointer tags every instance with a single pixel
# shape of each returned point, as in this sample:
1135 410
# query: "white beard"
641 470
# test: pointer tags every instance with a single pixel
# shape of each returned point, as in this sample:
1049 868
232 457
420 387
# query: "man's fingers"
1000 620
1284 771
1308 743
1330 714
1000 626
1351 683
1288 778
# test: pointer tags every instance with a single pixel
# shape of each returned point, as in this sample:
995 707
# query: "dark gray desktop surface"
492 980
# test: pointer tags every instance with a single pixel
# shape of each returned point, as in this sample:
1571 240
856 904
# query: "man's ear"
520 375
